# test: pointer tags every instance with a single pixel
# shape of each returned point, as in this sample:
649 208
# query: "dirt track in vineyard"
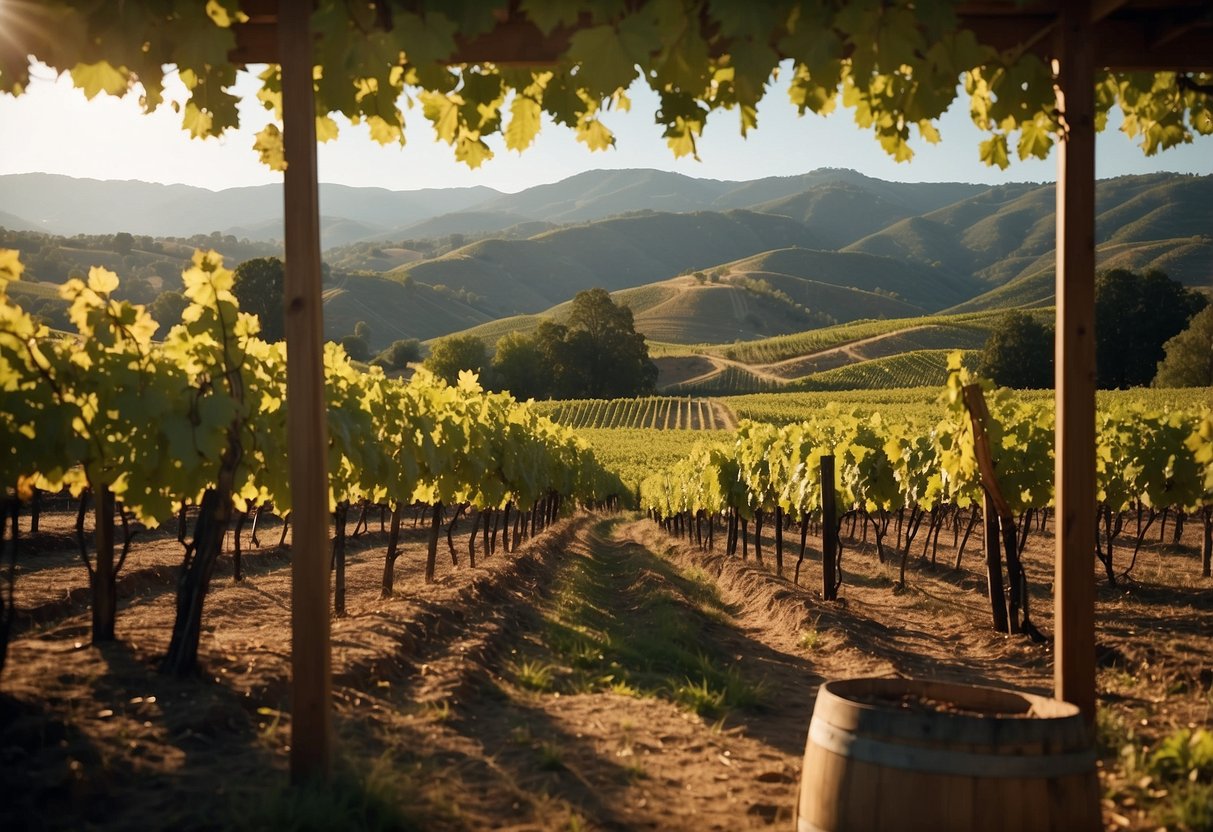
529 692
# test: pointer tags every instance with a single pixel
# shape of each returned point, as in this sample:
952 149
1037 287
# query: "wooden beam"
307 433
1127 42
1102 8
1132 44
1074 477
1125 39
1176 32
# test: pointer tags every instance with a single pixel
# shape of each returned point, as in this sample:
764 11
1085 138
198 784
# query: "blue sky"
54 129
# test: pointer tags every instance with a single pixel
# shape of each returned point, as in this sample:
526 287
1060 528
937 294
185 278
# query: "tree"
166 309
598 354
604 344
455 353
1135 314
400 354
1189 355
356 347
519 367
1019 352
259 288
123 242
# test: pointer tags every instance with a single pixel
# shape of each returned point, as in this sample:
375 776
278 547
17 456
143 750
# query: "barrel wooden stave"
876 767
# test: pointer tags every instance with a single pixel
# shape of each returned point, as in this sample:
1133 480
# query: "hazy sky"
54 129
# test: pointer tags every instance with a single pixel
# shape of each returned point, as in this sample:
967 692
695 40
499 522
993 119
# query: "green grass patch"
380 797
628 622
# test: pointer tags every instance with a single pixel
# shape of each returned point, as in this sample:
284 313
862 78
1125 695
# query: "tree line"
1148 329
595 354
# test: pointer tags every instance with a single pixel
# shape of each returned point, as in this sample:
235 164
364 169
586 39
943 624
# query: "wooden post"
829 530
994 585
997 515
307 434
105 590
1074 597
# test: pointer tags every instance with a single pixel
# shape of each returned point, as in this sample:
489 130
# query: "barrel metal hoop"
941 761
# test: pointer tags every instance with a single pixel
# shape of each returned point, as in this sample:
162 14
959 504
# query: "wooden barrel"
899 754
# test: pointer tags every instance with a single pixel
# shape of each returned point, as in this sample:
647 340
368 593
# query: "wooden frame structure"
1078 36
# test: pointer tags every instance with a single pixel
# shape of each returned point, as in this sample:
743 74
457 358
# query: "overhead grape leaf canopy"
476 69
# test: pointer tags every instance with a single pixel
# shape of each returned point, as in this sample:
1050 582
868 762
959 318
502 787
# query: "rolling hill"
735 280
520 276
393 310
1007 232
68 206
916 286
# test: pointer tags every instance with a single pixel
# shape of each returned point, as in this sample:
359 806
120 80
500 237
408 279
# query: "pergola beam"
1102 8
1124 37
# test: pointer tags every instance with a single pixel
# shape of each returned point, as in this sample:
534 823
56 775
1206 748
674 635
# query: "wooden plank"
307 434
1074 593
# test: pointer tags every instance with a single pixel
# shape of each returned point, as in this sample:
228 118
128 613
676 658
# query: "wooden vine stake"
996 505
829 530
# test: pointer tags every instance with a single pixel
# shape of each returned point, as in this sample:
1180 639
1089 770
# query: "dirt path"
720 364
606 676
623 733
828 359
782 372
723 417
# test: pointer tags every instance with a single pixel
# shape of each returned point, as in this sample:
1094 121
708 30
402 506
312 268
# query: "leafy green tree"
259 289
123 242
1019 352
1135 314
166 309
356 347
1189 355
606 348
597 354
455 353
400 354
519 367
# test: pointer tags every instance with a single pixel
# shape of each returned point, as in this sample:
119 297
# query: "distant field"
783 347
729 381
650 413
920 368
635 454
782 408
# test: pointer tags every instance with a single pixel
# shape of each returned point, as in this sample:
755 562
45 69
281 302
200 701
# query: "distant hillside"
1188 260
915 286
1007 232
840 205
519 276
691 313
15 223
847 209
463 222
65 205
393 310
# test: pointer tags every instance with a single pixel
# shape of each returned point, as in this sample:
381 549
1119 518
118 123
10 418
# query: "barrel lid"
926 711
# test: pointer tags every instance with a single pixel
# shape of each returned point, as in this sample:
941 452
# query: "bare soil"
463 704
